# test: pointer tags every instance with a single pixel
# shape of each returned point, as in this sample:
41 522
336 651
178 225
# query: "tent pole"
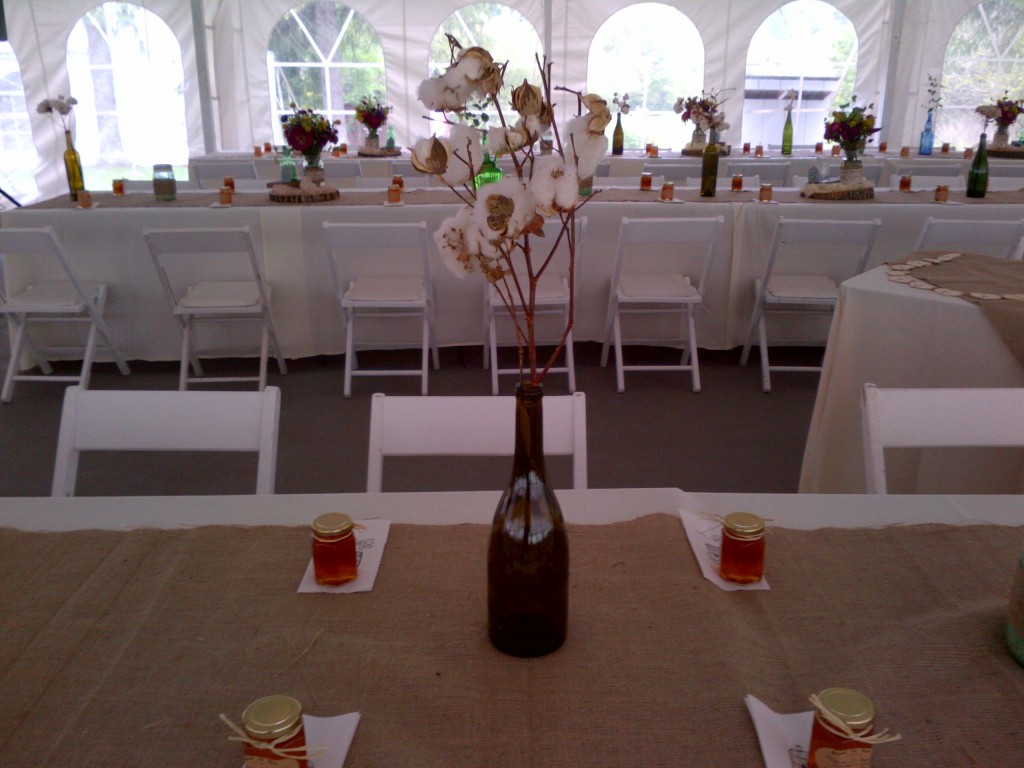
898 10
203 76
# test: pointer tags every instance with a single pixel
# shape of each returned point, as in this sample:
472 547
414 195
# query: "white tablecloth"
892 335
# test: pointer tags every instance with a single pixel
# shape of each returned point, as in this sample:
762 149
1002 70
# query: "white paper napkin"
370 541
333 734
784 738
706 541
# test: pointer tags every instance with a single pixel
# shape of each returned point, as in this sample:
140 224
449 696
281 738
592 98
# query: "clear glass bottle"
73 167
927 136
165 188
787 134
334 550
618 136
977 177
709 166
829 749
289 171
528 554
742 553
276 732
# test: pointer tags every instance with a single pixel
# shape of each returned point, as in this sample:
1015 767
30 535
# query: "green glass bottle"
709 166
73 166
787 134
977 177
528 553
289 172
618 136
488 173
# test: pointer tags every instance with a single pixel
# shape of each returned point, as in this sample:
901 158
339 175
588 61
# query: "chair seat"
210 295
656 285
386 289
51 296
809 287
550 289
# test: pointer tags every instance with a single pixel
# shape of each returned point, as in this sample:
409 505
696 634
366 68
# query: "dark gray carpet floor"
658 433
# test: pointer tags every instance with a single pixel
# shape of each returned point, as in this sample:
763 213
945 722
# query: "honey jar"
229 182
746 147
765 194
904 151
968 153
835 151
830 747
84 198
336 152
654 150
758 151
268 147
742 555
334 549
398 180
819 147
226 195
257 151
394 194
645 181
942 193
945 147
905 182
118 185
275 733
668 191
883 146
737 182
343 148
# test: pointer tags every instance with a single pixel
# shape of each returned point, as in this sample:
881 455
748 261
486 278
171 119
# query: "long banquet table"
106 244
892 335
131 623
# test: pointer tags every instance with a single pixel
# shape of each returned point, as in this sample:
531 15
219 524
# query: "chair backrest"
677 172
774 173
210 174
41 244
470 426
701 234
1003 239
119 420
183 257
935 418
355 250
796 247
630 167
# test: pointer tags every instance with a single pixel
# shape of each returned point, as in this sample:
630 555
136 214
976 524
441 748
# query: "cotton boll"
554 186
435 96
465 154
589 149
450 238
504 208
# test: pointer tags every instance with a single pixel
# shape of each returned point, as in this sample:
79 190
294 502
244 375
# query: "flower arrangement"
789 97
850 127
704 110
1004 112
372 114
308 132
622 103
499 232
61 107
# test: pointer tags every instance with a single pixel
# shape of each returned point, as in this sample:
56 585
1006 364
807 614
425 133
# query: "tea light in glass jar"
668 191
737 182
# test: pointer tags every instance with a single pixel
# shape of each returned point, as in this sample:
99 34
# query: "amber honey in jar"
398 180
905 182
942 193
645 180
746 147
835 151
765 194
737 182
84 198
904 151
226 195
968 153
118 185
334 550
336 152
394 194
257 151
883 146
759 151
276 736
229 182
742 558
668 191
343 148
819 147
830 747
945 147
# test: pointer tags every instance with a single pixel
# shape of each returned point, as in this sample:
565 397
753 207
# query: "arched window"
17 178
805 46
125 70
984 59
654 53
504 31
323 55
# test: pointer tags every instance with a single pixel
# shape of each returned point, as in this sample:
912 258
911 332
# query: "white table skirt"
892 335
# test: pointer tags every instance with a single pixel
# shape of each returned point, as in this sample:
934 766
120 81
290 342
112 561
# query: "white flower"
507 139
621 103
584 148
789 96
554 186
61 106
465 153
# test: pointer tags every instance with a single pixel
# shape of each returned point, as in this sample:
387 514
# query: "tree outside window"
654 53
984 59
322 55
125 69
806 46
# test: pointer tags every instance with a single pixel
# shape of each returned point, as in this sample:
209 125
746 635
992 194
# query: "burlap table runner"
120 649
995 285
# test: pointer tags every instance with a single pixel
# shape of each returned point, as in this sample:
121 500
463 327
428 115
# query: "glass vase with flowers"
372 114
512 232
308 132
1004 113
61 108
851 127
705 111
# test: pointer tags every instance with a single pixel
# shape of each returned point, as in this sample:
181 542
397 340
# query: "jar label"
843 758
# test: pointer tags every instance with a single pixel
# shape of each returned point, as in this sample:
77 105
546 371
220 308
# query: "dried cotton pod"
527 99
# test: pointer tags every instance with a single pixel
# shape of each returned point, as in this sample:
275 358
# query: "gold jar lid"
272 717
332 525
853 708
744 525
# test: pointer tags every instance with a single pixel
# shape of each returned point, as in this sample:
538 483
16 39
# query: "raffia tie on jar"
843 742
284 745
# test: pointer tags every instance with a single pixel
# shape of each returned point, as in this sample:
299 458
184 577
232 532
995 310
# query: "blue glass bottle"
927 137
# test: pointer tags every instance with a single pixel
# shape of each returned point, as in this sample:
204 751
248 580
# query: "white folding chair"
1002 239
651 280
49 302
675 172
382 271
555 296
807 262
210 175
213 276
139 420
723 183
470 426
774 173
936 418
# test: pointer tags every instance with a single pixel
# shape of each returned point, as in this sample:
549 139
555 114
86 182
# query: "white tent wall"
910 34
